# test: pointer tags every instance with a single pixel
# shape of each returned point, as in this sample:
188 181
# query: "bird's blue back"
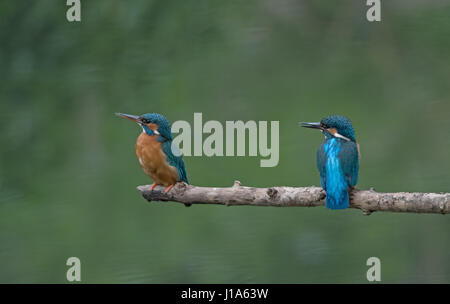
176 161
338 163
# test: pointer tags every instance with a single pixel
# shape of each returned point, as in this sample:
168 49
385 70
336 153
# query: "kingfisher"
155 151
337 159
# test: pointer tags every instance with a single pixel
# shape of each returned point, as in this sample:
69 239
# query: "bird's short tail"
338 200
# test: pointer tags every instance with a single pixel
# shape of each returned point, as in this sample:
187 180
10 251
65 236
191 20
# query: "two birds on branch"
337 156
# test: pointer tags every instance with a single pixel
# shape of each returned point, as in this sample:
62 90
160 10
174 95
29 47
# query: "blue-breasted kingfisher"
337 159
154 151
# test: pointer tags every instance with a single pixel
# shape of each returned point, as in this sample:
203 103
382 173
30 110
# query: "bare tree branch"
366 200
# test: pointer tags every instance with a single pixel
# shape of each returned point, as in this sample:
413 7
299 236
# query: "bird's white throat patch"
341 136
154 131
335 133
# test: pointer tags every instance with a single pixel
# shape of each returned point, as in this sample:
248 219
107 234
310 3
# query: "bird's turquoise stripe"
336 183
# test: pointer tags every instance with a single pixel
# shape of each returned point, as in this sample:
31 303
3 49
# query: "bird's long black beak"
312 125
134 118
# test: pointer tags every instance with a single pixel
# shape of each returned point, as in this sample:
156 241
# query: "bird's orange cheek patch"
332 131
152 126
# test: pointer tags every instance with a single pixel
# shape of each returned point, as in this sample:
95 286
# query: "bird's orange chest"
153 160
149 152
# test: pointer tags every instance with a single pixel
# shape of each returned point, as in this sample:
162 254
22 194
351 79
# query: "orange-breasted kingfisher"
337 159
154 151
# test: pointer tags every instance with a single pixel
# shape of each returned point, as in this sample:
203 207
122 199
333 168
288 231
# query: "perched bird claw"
168 189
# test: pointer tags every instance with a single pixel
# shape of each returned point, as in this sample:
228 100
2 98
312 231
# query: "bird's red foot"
168 188
153 186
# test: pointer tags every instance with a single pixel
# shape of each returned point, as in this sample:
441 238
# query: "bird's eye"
145 120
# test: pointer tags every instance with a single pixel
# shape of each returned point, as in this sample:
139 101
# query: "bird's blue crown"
342 124
163 124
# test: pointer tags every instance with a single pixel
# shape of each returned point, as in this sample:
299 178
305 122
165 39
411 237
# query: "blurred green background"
68 173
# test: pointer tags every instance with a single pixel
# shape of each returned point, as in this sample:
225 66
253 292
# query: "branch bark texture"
366 200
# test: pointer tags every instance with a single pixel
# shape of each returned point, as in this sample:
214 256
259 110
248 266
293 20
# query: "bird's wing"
175 160
349 159
321 165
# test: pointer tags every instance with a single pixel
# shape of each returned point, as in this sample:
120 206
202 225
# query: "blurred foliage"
68 171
